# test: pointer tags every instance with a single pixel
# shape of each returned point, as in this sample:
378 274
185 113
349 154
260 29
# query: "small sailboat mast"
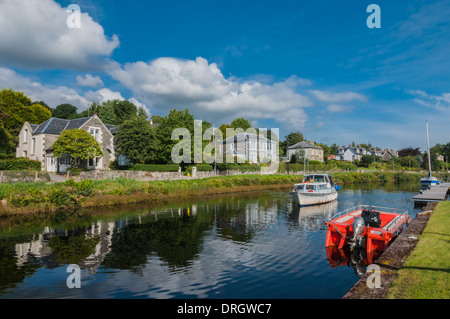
428 151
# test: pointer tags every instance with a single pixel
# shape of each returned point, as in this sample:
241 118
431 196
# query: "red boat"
368 227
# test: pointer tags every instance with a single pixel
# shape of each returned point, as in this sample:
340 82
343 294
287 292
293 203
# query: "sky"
309 66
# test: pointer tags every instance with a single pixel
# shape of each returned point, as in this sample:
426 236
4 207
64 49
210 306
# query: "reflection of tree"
175 240
72 250
10 273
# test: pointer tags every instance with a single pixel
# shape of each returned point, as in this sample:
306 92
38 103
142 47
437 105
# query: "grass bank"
425 274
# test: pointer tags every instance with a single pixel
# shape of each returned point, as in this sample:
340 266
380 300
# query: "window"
33 146
95 132
65 160
25 138
24 153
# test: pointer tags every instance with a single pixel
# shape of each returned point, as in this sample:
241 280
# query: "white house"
249 147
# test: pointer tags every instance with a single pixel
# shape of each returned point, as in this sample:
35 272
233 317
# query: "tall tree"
409 151
291 139
65 111
106 113
175 119
240 123
124 110
137 140
18 109
78 144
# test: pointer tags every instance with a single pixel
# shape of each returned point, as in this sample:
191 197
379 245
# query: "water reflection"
312 218
255 245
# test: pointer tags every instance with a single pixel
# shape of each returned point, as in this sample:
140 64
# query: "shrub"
19 164
204 167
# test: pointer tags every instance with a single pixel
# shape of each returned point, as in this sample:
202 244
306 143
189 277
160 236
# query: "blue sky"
312 66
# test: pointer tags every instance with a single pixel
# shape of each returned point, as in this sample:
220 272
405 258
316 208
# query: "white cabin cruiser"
314 190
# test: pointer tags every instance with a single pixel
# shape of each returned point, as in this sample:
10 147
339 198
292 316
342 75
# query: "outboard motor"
358 229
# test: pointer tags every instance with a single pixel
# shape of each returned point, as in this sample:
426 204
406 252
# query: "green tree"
94 108
136 139
65 111
175 119
124 110
240 123
17 109
291 139
78 144
106 113
408 161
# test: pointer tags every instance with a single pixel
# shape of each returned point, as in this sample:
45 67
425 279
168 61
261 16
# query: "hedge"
204 168
19 164
155 167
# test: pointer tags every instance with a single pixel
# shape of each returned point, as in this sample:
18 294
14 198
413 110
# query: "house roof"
56 125
303 144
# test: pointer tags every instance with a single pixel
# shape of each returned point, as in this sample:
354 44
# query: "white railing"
370 207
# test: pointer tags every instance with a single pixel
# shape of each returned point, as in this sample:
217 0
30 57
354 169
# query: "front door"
52 164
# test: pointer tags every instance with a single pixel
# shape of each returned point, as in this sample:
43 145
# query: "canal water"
249 245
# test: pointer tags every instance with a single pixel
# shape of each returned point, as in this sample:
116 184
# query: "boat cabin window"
310 187
299 187
316 178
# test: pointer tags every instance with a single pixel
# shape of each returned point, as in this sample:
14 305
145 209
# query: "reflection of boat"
315 189
428 181
358 259
327 209
366 227
312 217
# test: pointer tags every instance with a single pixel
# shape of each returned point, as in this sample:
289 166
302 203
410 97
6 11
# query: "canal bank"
72 195
395 273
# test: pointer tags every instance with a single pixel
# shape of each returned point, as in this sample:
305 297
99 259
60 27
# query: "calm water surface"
254 245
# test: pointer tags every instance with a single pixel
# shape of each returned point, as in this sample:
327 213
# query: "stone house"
311 151
36 140
249 147
389 154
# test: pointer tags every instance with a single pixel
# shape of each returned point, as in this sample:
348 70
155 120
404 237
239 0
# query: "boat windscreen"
316 179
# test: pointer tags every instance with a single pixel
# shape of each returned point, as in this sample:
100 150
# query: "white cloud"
340 97
34 34
337 108
89 80
55 95
201 87
52 95
439 102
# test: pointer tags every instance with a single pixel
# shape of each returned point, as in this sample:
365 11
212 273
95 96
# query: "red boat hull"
340 230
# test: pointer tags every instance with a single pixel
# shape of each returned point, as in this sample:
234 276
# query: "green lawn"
426 272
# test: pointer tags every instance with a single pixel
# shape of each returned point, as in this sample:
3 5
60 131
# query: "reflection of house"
249 147
307 150
40 247
35 142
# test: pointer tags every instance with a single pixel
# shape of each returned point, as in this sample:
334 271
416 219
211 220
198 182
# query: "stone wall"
23 176
152 176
